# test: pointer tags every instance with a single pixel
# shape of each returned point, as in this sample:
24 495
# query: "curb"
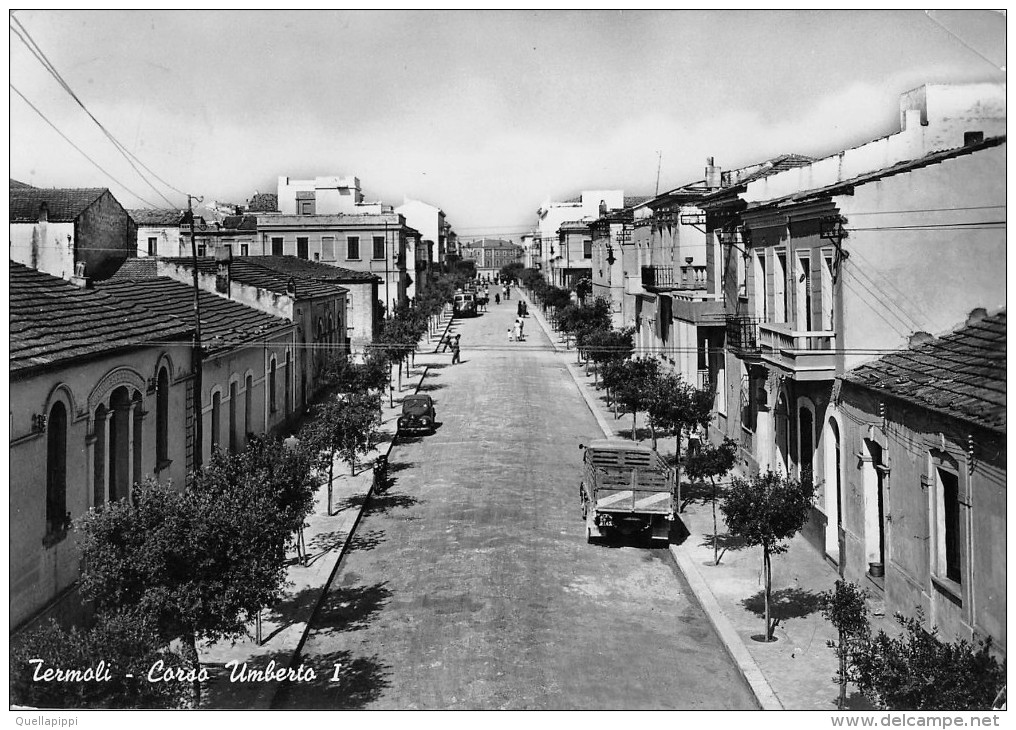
732 642
266 698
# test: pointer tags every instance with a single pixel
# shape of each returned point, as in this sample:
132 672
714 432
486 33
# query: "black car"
417 414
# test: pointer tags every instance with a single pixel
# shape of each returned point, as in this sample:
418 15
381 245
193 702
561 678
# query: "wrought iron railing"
742 334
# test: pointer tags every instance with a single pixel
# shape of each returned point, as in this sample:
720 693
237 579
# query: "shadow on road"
365 539
349 608
343 682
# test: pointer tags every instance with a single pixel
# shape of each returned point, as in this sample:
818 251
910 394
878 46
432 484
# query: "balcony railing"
693 277
658 277
807 354
742 335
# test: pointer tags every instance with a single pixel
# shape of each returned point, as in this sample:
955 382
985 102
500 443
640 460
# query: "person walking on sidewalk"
455 350
497 298
522 328
518 308
445 342
517 332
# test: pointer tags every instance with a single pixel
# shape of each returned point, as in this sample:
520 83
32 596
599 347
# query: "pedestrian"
522 328
497 298
525 309
511 334
517 332
518 309
507 292
455 350
445 341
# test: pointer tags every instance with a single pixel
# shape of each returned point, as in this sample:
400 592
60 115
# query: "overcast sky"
485 114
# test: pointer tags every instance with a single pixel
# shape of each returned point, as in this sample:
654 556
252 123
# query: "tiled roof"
961 374
239 223
139 267
777 164
224 323
54 322
64 204
249 270
156 216
310 269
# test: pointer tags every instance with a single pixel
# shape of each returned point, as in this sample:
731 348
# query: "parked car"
417 414
464 305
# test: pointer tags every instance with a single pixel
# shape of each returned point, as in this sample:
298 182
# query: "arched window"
234 439
162 419
138 413
248 406
56 470
289 377
119 444
100 454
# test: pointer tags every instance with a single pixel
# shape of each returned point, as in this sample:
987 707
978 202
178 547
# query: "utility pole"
196 348
388 299
659 164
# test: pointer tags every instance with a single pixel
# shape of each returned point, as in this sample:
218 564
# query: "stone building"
70 231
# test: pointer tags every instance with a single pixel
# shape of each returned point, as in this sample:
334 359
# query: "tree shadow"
430 388
725 542
365 539
323 543
696 492
440 365
350 608
285 612
787 603
380 503
355 682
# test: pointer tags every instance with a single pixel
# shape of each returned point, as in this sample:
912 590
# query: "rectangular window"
761 282
153 246
587 249
379 247
949 545
803 284
201 249
353 247
229 249
216 420
277 248
306 207
302 247
825 320
780 287
245 249
248 405
328 248
233 440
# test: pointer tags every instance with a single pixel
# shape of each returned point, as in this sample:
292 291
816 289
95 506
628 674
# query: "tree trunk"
716 549
191 648
677 470
301 552
841 703
767 568
595 374
331 476
634 416
652 432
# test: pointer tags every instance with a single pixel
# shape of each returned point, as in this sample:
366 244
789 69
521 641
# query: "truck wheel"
589 537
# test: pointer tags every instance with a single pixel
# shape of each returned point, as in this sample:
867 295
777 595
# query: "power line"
83 153
41 57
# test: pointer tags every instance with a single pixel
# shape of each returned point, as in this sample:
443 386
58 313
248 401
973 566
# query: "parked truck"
626 489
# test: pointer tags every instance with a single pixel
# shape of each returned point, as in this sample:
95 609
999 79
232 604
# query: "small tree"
121 643
765 511
199 565
635 383
354 428
845 608
712 463
583 288
918 671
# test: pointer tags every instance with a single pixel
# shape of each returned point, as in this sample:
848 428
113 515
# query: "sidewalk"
284 628
797 671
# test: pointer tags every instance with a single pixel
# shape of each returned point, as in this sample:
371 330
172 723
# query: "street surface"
469 583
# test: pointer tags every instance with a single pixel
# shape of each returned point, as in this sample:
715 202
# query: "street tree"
635 381
583 288
608 345
198 564
845 608
354 428
916 670
121 648
765 511
712 463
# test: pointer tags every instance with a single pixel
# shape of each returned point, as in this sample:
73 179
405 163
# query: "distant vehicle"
417 414
626 489
464 305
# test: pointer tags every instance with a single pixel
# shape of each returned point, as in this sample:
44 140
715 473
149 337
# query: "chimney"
603 208
291 287
712 174
920 338
976 315
79 278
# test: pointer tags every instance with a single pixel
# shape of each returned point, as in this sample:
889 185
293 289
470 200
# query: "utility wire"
84 154
41 57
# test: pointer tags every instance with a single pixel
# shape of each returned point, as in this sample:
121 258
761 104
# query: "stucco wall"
39 573
910 439
899 280
106 236
45 246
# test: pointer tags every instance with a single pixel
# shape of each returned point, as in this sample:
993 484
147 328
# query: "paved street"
469 583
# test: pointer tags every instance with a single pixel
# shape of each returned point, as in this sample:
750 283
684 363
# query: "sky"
486 114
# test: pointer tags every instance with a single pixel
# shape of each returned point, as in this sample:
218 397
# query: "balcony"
665 278
693 277
805 354
742 336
